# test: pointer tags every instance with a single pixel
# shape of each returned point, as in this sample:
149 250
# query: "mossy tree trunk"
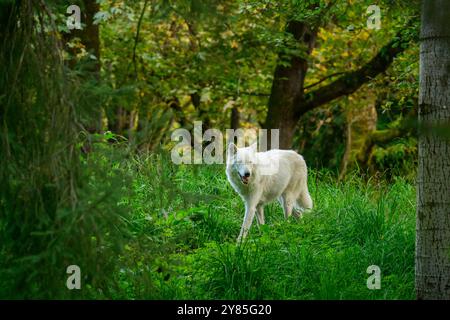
361 124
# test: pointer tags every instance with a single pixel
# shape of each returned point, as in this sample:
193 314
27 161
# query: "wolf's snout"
244 177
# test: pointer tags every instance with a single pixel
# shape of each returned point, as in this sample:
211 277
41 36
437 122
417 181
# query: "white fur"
288 183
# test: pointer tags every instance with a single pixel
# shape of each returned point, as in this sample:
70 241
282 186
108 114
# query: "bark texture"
235 118
287 86
89 35
433 190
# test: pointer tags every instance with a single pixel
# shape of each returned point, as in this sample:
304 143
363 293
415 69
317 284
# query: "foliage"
53 208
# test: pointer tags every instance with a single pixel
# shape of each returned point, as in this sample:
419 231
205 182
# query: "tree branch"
136 37
353 80
322 80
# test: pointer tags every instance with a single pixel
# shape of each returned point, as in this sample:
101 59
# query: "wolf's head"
241 162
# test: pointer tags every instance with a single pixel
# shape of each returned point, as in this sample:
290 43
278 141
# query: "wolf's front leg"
260 214
250 210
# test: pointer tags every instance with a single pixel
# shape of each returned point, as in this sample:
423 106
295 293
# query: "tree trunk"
433 190
287 102
287 86
89 35
235 118
201 112
361 124
90 38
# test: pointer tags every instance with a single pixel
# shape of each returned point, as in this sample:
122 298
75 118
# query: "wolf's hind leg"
288 205
304 200
298 210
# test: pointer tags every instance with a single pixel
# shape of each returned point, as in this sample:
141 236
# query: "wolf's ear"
254 147
231 150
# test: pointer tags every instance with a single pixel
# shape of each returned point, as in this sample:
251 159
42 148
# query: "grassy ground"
145 228
185 220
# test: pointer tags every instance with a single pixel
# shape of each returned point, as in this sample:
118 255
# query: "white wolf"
258 186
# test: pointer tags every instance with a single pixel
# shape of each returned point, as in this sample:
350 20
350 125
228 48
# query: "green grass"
185 220
144 228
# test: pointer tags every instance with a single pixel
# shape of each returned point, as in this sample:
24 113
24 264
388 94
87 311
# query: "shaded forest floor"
185 220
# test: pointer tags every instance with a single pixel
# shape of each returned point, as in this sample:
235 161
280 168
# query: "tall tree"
89 35
288 100
287 86
433 192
